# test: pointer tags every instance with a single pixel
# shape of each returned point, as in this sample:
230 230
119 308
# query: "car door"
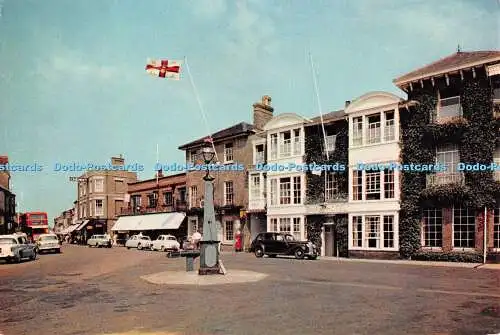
281 245
158 243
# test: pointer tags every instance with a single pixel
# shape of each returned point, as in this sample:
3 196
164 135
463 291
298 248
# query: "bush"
462 257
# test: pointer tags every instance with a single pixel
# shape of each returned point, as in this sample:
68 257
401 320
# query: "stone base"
192 278
209 271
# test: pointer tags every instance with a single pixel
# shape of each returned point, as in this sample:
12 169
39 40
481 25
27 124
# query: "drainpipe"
485 234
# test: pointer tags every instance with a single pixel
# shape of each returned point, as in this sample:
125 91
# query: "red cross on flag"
164 68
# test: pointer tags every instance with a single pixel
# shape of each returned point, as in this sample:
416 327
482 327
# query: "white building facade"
285 182
374 186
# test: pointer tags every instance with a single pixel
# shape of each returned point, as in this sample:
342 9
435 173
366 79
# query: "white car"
138 241
165 242
16 247
99 241
48 242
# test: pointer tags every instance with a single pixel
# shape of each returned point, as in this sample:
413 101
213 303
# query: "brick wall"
242 154
447 229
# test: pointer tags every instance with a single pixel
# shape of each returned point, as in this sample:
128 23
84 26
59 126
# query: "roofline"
399 82
194 144
153 179
333 120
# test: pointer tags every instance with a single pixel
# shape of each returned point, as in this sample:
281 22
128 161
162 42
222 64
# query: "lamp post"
209 245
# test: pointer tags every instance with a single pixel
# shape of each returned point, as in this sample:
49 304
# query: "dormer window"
285 144
357 131
389 126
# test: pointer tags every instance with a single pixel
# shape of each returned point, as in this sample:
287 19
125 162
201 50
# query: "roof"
456 61
238 129
169 176
328 117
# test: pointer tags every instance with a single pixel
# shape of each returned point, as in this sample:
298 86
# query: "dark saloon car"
273 244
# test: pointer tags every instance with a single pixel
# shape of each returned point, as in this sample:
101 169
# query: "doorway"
330 241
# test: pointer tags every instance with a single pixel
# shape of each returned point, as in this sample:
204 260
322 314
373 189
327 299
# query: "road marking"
395 288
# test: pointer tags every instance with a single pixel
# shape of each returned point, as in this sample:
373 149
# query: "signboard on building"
493 70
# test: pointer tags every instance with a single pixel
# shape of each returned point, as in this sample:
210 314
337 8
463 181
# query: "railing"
374 133
257 203
286 149
445 178
335 197
448 109
259 157
389 130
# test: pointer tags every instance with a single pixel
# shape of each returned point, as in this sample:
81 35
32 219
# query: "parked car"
48 242
16 248
99 241
165 243
138 241
273 244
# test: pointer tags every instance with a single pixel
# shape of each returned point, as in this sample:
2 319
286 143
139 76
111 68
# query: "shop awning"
163 221
68 230
127 223
160 221
82 225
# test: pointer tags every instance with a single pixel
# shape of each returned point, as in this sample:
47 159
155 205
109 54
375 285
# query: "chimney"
347 103
159 173
4 160
262 112
118 161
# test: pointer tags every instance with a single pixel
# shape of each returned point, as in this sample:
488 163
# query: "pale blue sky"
73 85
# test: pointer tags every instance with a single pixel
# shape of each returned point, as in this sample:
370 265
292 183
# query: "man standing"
196 239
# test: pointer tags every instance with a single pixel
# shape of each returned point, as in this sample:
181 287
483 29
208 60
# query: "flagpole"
157 161
319 103
200 106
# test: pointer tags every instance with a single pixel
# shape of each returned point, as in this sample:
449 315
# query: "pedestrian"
238 242
196 239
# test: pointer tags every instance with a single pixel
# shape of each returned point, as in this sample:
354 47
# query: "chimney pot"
266 100
347 103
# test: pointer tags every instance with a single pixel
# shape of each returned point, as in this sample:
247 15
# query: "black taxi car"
274 244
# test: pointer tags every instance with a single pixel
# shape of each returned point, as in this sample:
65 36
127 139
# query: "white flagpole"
200 106
319 104
157 161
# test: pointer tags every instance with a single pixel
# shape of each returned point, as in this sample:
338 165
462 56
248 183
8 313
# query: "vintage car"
48 242
273 244
99 241
165 243
138 241
16 248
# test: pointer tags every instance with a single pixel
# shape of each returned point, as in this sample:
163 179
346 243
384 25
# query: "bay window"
255 186
357 131
286 191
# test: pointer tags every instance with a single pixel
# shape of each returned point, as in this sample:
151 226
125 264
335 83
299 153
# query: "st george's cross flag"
164 68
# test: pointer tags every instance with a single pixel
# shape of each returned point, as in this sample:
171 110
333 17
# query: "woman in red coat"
238 244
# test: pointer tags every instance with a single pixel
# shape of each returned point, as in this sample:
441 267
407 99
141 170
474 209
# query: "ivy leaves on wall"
476 135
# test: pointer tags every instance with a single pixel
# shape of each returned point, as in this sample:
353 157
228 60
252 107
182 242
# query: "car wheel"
299 253
17 259
33 256
259 252
128 248
139 247
162 249
58 251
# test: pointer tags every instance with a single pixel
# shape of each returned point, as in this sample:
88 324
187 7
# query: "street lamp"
209 245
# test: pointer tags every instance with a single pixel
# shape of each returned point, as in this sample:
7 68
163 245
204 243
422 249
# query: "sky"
73 87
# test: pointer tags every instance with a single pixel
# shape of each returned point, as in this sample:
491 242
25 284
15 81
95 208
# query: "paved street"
99 291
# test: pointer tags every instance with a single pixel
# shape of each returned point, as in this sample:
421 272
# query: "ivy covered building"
453 119
326 192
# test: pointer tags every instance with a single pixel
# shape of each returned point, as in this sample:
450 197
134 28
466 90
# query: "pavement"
102 291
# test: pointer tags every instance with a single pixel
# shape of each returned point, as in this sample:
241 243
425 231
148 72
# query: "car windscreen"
7 240
48 238
145 238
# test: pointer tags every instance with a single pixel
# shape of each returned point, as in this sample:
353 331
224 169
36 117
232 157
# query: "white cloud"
67 63
209 8
436 22
252 31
